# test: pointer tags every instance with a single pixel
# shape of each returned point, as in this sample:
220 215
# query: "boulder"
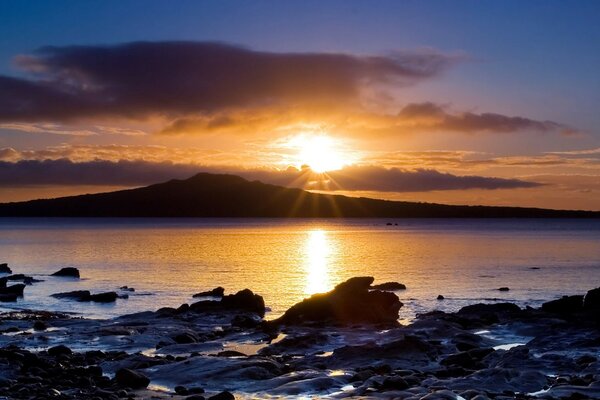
503 289
67 271
216 292
591 301
131 379
85 295
389 286
440 297
244 300
5 269
106 297
79 295
350 302
8 297
59 350
127 289
222 396
564 305
13 289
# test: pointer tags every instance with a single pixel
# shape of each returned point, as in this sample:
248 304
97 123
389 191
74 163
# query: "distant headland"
214 195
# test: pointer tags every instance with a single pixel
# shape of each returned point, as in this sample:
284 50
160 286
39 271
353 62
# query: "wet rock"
440 297
13 289
106 297
85 295
470 359
216 292
79 295
350 302
59 350
592 300
127 289
389 286
394 383
131 379
231 353
8 297
564 305
195 397
39 326
67 271
222 396
185 338
503 289
5 269
244 300
244 321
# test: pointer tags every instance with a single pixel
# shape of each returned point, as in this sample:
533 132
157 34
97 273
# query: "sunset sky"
470 102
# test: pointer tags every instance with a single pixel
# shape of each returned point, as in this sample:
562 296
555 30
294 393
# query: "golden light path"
318 255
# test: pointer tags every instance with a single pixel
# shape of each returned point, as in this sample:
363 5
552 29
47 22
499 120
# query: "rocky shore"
341 344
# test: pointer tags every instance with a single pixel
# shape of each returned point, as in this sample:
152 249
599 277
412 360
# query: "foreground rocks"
341 344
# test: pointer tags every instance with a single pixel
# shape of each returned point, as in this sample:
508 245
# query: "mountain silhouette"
216 195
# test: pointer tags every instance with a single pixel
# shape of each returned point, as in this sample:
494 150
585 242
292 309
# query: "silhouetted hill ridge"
220 195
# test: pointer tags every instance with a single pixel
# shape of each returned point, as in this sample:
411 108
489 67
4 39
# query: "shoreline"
342 344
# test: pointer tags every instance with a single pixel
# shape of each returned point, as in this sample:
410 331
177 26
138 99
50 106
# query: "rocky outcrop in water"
350 302
5 269
216 292
67 271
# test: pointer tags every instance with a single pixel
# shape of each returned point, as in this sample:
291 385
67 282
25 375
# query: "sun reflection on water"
318 254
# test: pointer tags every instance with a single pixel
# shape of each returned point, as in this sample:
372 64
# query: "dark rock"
131 379
231 353
592 300
79 295
348 303
467 359
185 338
244 300
15 277
503 289
440 297
564 305
59 350
107 297
216 292
13 289
195 397
8 297
67 271
28 280
394 383
244 321
222 396
5 269
389 286
39 326
127 289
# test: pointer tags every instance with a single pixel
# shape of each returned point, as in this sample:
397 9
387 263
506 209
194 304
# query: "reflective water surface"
167 260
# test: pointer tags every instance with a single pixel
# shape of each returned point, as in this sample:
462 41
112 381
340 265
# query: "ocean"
168 260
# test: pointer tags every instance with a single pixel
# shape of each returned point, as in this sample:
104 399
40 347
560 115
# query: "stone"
389 286
5 269
131 379
440 297
216 292
350 302
59 350
222 396
67 271
564 305
592 300
107 297
503 289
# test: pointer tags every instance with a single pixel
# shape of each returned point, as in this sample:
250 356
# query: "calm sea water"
168 260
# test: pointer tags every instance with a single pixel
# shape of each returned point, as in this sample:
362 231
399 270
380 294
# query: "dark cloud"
136 173
435 116
179 78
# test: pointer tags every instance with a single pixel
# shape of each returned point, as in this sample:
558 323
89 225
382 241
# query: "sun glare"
318 253
321 153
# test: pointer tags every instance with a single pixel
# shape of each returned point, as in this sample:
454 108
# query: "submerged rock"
216 292
503 289
350 302
131 379
5 269
67 271
389 286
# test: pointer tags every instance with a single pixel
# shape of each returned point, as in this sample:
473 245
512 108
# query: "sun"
320 152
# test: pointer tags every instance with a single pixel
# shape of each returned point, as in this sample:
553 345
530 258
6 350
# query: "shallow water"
168 260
